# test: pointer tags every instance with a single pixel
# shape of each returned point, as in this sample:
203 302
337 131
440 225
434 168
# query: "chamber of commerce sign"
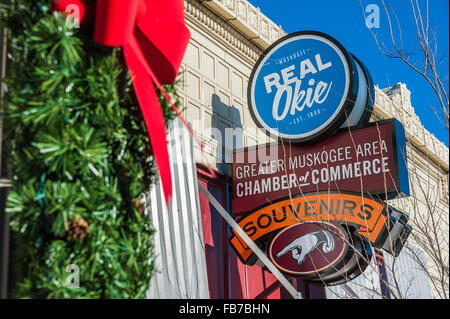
369 160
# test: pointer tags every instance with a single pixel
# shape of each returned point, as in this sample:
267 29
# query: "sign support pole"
266 261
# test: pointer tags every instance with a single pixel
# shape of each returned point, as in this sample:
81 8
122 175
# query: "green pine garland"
78 147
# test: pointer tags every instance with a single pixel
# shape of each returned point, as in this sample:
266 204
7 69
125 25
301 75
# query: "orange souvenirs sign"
365 216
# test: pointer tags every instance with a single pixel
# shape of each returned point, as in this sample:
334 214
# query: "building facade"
227 37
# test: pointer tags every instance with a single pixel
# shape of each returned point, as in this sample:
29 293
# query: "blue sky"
344 20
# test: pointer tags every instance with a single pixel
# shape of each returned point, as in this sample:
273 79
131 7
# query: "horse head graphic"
302 246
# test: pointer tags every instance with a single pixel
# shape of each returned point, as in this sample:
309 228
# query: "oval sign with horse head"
307 248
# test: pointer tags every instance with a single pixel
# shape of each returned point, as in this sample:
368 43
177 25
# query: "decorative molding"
396 102
247 19
201 15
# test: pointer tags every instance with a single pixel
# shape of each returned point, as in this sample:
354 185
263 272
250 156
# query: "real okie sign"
306 85
314 200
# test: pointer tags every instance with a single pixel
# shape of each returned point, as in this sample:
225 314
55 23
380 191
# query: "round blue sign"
302 86
363 108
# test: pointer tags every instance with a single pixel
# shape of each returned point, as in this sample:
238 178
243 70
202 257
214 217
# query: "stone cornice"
396 102
245 18
199 14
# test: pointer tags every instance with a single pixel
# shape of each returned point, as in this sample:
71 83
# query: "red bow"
154 37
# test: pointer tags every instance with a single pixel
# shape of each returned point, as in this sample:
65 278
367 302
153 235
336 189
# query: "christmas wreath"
80 158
